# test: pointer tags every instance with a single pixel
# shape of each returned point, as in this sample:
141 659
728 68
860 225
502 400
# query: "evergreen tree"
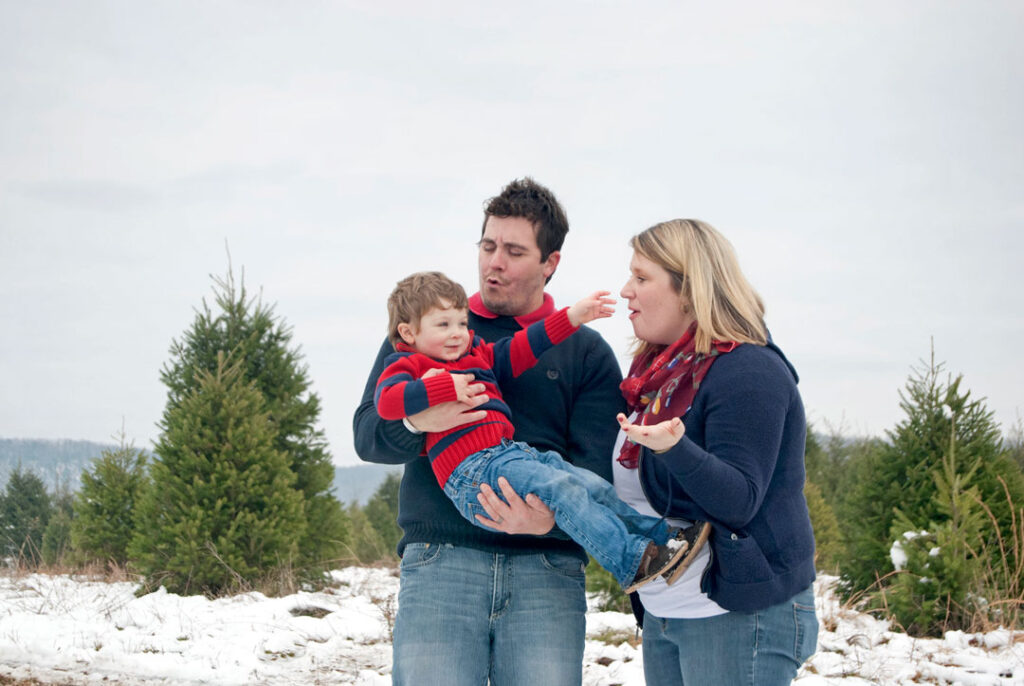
105 506
609 596
1014 443
57 535
911 481
24 513
382 513
220 508
828 544
366 547
251 333
941 564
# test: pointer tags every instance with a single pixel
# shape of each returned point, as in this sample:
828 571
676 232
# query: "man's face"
512 275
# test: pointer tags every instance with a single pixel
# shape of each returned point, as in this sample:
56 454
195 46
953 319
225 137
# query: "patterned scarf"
662 384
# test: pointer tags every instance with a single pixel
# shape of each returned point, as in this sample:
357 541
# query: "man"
475 604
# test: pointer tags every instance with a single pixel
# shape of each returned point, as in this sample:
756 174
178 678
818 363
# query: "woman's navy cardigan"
740 466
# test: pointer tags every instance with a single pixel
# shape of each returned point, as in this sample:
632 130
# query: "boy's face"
443 333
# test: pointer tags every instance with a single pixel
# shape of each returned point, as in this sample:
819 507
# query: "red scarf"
662 384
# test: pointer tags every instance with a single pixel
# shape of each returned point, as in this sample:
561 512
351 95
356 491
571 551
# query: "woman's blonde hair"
704 268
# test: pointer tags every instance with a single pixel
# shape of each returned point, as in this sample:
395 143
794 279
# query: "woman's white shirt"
683 599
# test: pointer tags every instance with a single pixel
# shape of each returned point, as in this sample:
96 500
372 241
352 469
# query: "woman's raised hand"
658 437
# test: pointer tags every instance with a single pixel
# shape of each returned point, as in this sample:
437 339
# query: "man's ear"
405 330
551 263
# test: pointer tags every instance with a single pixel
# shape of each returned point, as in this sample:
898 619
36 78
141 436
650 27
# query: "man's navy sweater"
567 403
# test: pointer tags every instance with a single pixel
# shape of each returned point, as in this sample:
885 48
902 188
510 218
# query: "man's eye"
487 247
515 253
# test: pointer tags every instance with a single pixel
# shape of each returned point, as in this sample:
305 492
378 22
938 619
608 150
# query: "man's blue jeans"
465 615
764 648
585 505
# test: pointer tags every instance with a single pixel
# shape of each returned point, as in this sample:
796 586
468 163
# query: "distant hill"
358 483
61 462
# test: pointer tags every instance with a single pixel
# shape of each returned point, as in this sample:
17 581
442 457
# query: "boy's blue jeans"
585 505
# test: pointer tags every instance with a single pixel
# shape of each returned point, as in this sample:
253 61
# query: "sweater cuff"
440 389
558 327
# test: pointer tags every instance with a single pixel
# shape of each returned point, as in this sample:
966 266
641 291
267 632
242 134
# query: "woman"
743 613
715 433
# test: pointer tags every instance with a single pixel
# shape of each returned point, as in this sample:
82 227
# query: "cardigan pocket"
740 560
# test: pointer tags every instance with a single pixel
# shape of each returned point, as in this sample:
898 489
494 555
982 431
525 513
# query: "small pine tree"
828 545
933 593
382 513
365 547
1014 442
57 536
24 513
914 482
248 330
220 508
105 504
608 594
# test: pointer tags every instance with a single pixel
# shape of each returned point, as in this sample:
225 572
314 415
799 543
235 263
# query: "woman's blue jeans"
466 616
764 648
585 505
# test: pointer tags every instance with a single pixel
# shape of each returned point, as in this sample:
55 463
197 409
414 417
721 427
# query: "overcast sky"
866 159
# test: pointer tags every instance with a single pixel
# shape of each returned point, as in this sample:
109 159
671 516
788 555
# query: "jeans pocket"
420 554
563 563
806 620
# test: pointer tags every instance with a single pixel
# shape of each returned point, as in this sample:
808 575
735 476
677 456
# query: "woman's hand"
513 515
658 437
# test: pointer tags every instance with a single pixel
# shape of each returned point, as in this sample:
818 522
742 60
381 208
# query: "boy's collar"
477 307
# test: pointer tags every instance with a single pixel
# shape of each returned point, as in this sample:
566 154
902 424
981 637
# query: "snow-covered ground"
68 630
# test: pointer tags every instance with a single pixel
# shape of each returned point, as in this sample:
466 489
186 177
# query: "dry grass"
11 681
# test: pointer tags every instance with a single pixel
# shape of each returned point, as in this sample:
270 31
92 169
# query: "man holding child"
476 604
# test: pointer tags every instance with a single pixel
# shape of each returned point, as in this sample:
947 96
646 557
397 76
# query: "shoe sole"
684 564
677 558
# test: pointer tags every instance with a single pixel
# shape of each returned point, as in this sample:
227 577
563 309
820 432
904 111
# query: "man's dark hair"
528 199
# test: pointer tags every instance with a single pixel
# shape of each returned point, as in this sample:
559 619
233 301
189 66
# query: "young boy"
439 360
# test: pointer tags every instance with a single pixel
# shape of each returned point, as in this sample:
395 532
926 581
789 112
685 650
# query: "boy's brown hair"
416 294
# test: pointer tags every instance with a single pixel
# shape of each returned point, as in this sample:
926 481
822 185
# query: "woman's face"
655 308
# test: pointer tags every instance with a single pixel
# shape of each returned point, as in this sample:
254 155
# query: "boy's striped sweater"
401 390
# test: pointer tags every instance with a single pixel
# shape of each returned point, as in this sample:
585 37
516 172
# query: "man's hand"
597 305
513 515
449 415
658 437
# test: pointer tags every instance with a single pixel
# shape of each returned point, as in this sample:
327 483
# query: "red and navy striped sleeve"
400 393
513 356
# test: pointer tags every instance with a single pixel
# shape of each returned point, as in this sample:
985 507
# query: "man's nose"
496 260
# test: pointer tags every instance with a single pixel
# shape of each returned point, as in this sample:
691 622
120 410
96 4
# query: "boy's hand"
465 390
658 437
597 305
